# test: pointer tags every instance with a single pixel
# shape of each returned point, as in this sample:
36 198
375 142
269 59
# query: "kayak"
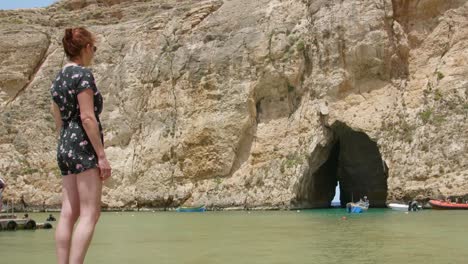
436 204
191 209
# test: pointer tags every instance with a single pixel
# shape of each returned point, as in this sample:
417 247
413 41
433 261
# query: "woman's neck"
71 63
77 61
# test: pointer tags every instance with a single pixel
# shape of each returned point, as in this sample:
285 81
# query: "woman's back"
70 81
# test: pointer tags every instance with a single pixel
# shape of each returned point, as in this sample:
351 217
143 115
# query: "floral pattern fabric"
75 152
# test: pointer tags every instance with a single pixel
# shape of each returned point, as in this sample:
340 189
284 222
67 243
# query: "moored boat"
398 207
361 206
405 207
437 204
13 224
358 207
191 209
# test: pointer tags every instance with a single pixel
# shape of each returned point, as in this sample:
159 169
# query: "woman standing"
76 106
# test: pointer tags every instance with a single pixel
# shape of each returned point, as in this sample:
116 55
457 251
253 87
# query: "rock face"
246 103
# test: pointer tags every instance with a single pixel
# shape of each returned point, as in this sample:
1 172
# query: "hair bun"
75 39
69 33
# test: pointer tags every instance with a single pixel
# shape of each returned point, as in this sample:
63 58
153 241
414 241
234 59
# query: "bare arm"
57 118
90 125
88 119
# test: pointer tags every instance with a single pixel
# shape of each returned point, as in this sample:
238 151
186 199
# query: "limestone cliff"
241 103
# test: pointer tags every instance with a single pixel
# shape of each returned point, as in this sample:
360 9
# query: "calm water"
309 236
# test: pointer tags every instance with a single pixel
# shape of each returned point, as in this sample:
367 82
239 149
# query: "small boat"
13 224
191 209
404 207
398 207
357 208
437 204
8 216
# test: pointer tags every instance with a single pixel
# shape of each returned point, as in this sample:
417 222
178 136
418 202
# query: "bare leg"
68 216
89 189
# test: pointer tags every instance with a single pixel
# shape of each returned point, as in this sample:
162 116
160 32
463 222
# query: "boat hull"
402 207
398 207
191 209
355 208
441 205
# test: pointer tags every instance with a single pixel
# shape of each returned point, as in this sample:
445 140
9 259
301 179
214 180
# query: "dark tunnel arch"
353 160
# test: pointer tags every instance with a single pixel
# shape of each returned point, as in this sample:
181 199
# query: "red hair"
75 40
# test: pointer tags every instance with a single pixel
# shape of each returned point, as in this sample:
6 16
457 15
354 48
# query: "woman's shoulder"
77 72
80 69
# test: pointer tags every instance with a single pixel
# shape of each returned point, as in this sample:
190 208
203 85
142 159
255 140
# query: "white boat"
403 207
398 207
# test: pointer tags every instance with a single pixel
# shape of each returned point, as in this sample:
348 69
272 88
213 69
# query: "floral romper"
75 152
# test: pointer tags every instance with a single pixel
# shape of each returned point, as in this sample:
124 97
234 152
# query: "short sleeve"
55 95
86 82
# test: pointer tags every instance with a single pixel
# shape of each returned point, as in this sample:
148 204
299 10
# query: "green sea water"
307 236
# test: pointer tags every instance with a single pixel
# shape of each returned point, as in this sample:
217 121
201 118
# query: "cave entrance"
355 165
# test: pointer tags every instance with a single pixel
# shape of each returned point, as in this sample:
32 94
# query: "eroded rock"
232 103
